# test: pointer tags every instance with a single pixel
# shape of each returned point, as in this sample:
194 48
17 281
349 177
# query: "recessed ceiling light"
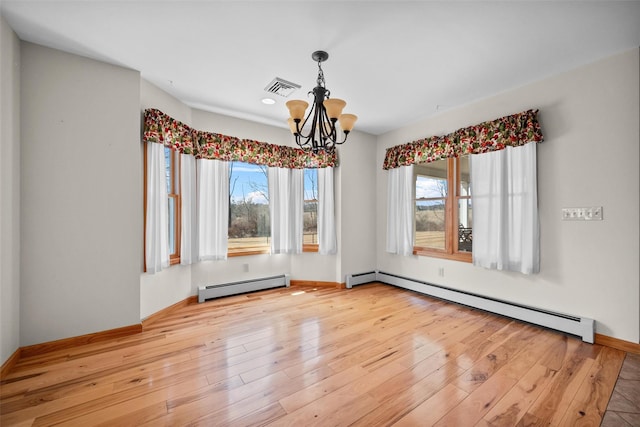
268 101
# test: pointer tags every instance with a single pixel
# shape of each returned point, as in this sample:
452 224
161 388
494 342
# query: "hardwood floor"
369 356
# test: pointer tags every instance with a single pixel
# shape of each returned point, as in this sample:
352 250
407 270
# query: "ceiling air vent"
281 87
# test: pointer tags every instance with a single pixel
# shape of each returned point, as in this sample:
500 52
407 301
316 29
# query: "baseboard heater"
361 278
580 326
242 287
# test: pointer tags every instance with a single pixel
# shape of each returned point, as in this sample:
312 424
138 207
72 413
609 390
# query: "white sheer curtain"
327 243
157 230
189 224
505 210
400 184
213 209
285 209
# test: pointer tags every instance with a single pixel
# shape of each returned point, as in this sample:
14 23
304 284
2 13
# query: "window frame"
452 200
174 168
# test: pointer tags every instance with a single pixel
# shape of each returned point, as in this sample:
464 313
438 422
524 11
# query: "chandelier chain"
320 80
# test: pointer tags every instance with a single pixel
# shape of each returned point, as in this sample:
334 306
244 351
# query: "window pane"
172 225
249 226
443 213
310 211
167 166
465 236
176 172
430 224
430 187
464 188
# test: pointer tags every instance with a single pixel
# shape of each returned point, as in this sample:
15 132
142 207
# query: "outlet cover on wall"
582 214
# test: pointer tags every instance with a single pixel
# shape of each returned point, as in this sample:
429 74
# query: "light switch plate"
593 213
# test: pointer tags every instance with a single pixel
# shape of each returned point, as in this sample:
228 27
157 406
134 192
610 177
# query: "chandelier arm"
320 122
306 119
329 135
301 139
309 139
298 135
346 134
316 130
319 114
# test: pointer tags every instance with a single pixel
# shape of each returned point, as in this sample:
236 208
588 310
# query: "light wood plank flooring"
374 355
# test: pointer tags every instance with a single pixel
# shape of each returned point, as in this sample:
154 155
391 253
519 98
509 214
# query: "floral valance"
160 128
514 130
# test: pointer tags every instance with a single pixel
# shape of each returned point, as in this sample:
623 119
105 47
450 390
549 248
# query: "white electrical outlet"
582 214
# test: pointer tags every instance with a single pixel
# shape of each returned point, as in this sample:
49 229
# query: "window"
310 211
443 212
249 225
172 174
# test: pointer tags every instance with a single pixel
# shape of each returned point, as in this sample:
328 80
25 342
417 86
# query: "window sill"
248 251
457 256
265 251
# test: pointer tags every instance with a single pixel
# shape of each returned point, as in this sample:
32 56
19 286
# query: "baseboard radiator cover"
226 289
580 326
360 279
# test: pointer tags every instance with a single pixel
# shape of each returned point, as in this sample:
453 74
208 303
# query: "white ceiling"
394 62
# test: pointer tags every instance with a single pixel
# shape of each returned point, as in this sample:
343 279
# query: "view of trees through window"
249 223
310 216
249 226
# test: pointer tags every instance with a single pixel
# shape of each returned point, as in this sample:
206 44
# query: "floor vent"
234 288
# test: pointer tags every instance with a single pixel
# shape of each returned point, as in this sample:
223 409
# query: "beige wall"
81 208
9 191
590 119
356 197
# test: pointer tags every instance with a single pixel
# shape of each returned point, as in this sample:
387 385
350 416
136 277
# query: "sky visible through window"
428 187
249 182
310 184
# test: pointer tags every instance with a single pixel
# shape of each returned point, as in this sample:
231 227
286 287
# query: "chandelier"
318 130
